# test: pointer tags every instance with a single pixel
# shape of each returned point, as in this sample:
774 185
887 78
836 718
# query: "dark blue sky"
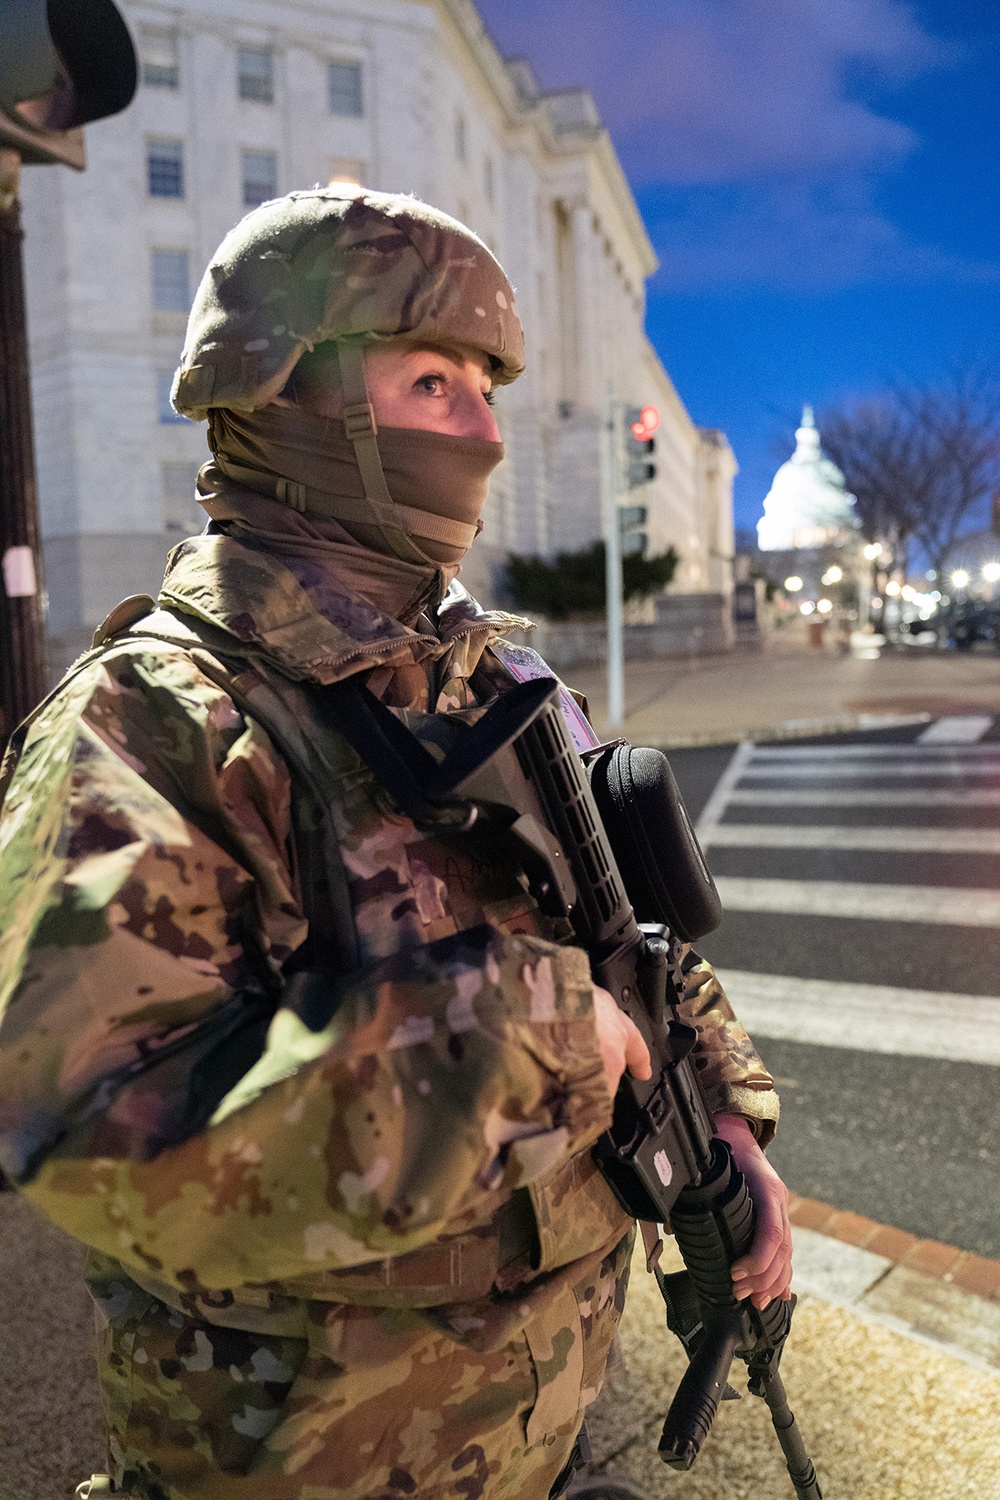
821 182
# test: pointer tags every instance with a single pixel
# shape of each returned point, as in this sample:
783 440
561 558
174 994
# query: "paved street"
861 946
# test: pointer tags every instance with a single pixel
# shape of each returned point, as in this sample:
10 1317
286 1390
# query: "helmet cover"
338 263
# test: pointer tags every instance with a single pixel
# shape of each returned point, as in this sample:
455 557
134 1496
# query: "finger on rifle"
636 1051
765 1270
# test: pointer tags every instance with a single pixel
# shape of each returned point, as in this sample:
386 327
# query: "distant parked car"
964 624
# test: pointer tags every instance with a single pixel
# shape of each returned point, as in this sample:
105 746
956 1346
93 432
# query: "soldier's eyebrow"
449 352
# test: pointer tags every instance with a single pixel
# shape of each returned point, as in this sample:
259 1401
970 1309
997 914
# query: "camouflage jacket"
161 1102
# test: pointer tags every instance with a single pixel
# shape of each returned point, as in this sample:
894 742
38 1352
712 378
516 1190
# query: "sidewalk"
891 1368
785 689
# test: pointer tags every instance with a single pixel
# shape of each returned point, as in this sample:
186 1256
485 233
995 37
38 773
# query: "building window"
181 516
260 177
256 73
164 411
159 52
165 169
344 85
170 281
461 144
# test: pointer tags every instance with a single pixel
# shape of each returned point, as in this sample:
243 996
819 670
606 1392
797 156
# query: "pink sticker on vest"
527 666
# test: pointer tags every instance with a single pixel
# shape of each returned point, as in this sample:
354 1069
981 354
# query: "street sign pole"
610 468
22 631
63 63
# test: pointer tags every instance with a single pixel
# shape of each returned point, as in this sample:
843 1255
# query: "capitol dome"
807 504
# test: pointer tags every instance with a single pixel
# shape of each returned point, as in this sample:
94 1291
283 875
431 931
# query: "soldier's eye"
429 383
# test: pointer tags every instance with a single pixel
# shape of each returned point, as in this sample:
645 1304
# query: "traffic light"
640 445
630 519
63 63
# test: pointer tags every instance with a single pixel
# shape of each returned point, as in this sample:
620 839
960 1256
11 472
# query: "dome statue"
807 504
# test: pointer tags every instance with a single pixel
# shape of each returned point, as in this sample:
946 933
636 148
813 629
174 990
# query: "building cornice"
590 139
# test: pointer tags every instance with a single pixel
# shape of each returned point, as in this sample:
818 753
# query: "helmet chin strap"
362 430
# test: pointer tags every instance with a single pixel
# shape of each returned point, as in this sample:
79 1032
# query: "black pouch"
659 856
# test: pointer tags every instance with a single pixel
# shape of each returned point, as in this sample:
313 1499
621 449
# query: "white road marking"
934 904
889 840
864 797
956 729
970 753
853 772
717 802
868 1017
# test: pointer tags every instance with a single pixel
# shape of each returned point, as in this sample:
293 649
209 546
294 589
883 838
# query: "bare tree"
921 461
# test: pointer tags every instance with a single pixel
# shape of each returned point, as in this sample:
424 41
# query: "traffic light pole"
610 468
22 630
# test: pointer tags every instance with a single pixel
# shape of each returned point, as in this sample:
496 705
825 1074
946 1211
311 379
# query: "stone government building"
242 100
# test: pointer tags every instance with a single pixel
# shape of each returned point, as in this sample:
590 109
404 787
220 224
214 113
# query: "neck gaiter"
437 483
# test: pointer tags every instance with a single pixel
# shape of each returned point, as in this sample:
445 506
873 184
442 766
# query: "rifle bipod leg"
799 1464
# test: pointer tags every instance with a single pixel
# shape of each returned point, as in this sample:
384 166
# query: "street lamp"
873 550
832 575
793 584
991 572
960 579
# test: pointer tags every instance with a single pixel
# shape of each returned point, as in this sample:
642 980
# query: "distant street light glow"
991 572
832 575
807 607
793 584
908 592
873 550
893 589
960 578
824 606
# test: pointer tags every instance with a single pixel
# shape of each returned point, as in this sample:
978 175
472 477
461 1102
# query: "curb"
930 1258
935 1293
795 729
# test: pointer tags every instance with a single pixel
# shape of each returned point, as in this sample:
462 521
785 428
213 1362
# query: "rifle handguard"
714 1226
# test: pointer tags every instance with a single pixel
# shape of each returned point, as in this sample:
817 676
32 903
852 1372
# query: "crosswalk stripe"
934 904
868 1017
851 771
956 729
723 790
865 797
965 753
890 840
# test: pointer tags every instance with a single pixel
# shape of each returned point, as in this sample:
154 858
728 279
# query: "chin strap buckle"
359 421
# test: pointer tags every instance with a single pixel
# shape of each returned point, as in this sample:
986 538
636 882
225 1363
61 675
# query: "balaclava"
351 266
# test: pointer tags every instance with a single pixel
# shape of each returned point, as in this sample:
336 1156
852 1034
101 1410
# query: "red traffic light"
649 421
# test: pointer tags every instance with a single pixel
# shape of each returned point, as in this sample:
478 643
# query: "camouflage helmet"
333 263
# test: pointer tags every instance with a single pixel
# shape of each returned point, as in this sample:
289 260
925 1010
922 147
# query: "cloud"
752 131
703 91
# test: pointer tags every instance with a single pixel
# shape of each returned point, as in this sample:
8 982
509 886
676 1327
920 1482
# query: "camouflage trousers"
370 1404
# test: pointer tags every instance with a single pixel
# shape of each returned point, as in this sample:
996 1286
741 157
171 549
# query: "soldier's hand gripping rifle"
661 1156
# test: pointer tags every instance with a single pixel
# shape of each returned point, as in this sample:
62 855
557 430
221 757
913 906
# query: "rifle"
661 1155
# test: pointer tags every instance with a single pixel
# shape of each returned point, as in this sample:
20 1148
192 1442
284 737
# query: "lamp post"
63 63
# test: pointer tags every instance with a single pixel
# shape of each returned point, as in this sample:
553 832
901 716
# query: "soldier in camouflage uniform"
316 1084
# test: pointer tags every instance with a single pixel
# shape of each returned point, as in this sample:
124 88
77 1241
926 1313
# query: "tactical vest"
538 1229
